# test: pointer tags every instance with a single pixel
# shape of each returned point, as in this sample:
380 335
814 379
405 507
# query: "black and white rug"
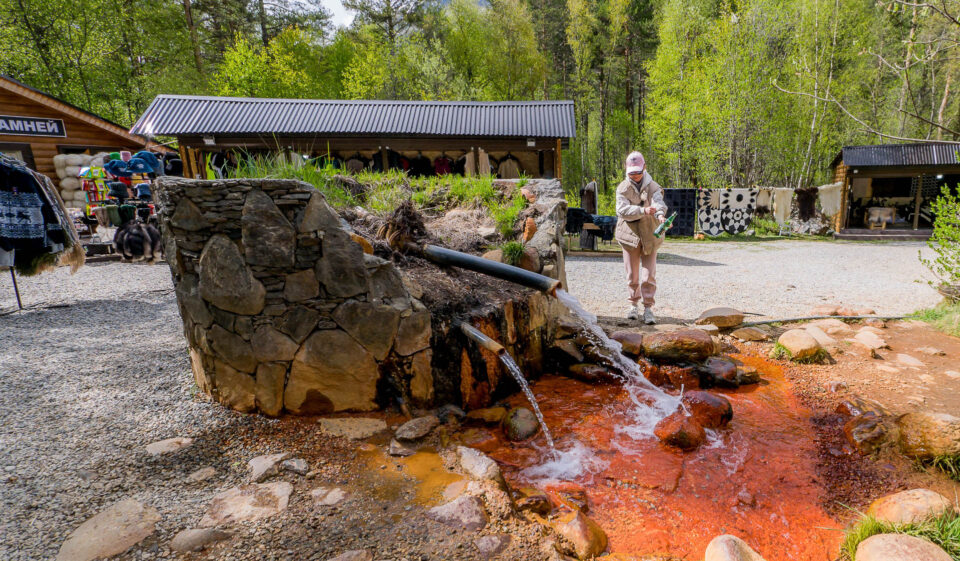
708 213
737 207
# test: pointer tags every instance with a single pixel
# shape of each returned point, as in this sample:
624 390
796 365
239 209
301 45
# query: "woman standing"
640 209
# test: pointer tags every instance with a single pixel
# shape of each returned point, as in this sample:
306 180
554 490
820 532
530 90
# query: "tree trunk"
943 106
194 40
905 87
263 22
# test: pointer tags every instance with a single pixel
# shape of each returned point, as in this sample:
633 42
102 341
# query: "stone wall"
285 309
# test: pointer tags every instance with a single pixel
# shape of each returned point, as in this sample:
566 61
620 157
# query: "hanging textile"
830 198
806 203
764 200
708 212
684 203
736 209
782 197
607 225
509 168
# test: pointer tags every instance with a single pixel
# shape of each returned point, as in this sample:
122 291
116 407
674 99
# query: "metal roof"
918 154
179 115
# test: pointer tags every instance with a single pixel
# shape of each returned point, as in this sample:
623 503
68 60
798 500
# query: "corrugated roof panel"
196 115
917 154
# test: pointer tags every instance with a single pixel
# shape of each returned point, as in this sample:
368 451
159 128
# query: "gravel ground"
776 279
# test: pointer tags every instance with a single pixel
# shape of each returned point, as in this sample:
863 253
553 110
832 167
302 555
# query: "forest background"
716 93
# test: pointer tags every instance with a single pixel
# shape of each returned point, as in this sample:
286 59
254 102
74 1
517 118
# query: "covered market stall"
424 138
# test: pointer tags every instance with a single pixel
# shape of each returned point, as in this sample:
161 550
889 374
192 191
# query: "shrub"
945 241
505 213
512 253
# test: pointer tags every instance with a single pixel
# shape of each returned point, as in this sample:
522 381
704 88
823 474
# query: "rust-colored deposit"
759 481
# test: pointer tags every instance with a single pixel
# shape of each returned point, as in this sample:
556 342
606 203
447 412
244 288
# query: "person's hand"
661 218
650 210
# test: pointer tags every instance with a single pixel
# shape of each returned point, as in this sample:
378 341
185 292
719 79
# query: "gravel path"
772 278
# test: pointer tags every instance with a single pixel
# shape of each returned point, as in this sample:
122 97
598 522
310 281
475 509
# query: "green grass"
780 352
949 465
943 530
505 213
512 252
944 317
764 227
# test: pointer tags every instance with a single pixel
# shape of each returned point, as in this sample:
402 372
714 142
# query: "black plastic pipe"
444 256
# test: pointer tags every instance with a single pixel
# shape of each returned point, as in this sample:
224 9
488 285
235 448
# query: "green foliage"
512 252
945 241
949 465
779 352
505 213
943 530
763 227
278 167
944 317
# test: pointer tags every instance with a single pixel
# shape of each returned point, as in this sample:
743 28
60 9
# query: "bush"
945 241
512 253
943 530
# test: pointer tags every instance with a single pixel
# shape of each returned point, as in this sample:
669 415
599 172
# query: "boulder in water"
631 341
520 423
720 372
592 374
682 345
680 431
709 410
588 539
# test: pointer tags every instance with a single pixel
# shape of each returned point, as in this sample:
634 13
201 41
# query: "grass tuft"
949 465
512 253
943 530
780 352
944 317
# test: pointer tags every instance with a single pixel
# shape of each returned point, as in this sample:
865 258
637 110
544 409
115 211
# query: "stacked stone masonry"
284 312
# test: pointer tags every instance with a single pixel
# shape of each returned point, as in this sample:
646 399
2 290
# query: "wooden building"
533 133
901 177
35 127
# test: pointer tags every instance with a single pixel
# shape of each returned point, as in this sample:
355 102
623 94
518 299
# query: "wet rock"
298 466
354 428
268 237
354 555
489 415
835 386
730 548
478 465
567 351
465 512
567 326
520 424
857 405
327 496
247 503
722 317
169 445
450 411
927 435
899 547
201 474
415 429
907 507
681 377
592 374
588 539
680 431
708 410
682 345
746 498
300 286
490 546
800 344
708 328
537 503
751 334
865 432
747 375
720 372
110 532
572 497
631 341
331 372
401 449
196 539
264 466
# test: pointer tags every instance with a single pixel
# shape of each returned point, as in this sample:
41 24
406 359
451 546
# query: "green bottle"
663 227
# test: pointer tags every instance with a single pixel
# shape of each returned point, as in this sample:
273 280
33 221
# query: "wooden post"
558 161
383 158
188 164
916 207
476 160
841 221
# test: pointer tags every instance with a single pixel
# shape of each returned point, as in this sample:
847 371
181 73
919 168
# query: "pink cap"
635 162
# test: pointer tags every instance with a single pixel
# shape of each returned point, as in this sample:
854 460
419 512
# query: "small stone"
865 432
722 317
529 195
870 340
835 386
588 539
751 334
908 507
799 343
402 449
489 415
932 351
197 538
747 375
529 229
169 445
708 410
327 496
415 429
354 428
110 532
465 512
298 466
247 503
730 548
899 547
490 546
631 341
201 474
478 465
746 498
909 361
262 467
680 431
520 424
354 555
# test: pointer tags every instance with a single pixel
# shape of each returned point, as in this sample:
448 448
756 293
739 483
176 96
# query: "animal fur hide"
807 203
137 241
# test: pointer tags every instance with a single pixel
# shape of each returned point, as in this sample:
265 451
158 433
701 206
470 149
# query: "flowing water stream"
508 361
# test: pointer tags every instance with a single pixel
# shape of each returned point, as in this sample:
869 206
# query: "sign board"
31 126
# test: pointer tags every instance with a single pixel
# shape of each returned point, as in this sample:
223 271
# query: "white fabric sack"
74 160
830 198
70 183
73 171
60 161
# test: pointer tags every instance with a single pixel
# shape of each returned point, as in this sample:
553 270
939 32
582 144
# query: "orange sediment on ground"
758 481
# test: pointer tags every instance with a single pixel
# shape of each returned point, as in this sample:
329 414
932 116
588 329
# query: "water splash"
572 461
512 367
651 404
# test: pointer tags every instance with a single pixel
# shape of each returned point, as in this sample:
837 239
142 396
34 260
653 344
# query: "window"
20 151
